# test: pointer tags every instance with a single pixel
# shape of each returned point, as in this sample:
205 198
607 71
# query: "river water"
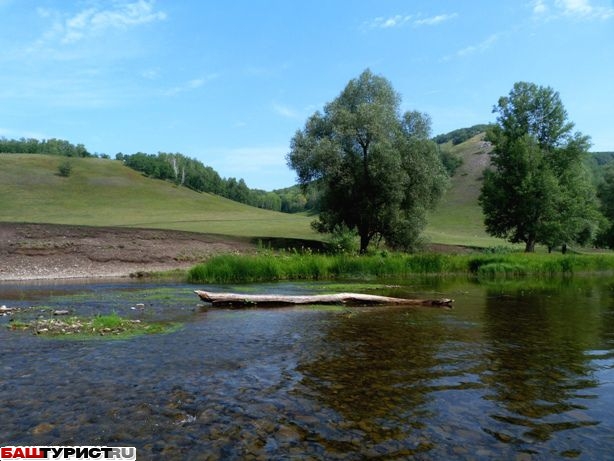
521 370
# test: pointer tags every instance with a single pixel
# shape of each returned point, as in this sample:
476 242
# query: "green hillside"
458 220
102 192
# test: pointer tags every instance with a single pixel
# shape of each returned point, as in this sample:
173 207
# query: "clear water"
515 371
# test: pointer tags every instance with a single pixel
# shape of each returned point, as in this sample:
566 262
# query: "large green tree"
377 170
606 196
537 189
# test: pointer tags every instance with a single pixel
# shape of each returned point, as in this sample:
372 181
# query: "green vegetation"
377 170
65 169
460 135
46 146
110 326
191 173
538 190
307 266
102 192
605 192
458 219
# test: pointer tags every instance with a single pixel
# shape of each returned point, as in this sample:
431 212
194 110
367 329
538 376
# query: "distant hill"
458 220
103 192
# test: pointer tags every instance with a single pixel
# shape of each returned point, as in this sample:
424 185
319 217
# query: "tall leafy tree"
606 196
537 189
376 169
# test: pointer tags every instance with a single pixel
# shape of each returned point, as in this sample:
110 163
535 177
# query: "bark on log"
354 299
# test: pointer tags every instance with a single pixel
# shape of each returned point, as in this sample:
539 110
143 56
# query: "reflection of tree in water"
375 370
538 366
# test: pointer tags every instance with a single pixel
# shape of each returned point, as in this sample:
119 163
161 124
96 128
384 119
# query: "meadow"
103 192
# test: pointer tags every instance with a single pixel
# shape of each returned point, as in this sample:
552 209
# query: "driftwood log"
354 299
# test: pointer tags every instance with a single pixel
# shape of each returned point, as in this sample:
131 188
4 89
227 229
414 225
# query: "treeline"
191 173
460 135
46 146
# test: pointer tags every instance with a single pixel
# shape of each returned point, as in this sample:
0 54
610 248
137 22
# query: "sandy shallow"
48 251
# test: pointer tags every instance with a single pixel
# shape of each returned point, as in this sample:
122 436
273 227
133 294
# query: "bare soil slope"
46 251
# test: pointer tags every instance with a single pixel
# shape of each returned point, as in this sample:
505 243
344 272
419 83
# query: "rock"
42 428
61 312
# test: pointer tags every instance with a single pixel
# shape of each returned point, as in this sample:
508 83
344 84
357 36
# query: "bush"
65 169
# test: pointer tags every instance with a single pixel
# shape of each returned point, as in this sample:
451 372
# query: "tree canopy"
376 169
538 189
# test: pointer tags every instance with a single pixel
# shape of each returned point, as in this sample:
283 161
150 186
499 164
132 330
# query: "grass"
294 266
459 220
110 326
102 192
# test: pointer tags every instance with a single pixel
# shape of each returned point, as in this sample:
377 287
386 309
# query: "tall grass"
295 266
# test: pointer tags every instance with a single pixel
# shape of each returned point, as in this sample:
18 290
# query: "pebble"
42 428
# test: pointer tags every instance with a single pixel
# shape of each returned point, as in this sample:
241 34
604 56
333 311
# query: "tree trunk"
246 300
530 246
364 242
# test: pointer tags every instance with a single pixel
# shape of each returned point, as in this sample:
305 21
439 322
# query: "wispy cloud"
285 111
434 20
190 85
577 9
480 47
400 20
95 20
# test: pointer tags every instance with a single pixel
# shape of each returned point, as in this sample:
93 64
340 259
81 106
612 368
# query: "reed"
270 266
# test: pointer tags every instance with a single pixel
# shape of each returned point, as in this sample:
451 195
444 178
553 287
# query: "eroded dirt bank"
46 251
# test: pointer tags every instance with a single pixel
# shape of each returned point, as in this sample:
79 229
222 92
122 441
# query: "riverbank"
49 251
271 266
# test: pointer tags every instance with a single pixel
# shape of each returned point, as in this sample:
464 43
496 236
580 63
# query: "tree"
606 196
538 189
377 170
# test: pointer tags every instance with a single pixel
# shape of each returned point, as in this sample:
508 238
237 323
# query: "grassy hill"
101 192
459 220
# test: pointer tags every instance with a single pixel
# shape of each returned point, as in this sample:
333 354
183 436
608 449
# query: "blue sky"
230 82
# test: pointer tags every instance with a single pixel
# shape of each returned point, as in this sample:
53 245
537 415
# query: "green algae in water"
110 326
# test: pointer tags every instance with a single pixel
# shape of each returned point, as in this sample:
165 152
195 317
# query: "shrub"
65 169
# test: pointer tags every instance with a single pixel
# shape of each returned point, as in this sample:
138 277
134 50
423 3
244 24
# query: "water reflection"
375 371
538 371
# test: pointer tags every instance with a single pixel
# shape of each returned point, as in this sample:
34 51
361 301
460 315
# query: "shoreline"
35 252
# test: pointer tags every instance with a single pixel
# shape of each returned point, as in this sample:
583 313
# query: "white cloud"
539 7
434 20
95 20
576 9
400 20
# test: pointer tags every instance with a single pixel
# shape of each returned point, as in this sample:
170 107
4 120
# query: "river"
521 370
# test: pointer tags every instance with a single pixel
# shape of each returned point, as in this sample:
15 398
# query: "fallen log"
354 299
